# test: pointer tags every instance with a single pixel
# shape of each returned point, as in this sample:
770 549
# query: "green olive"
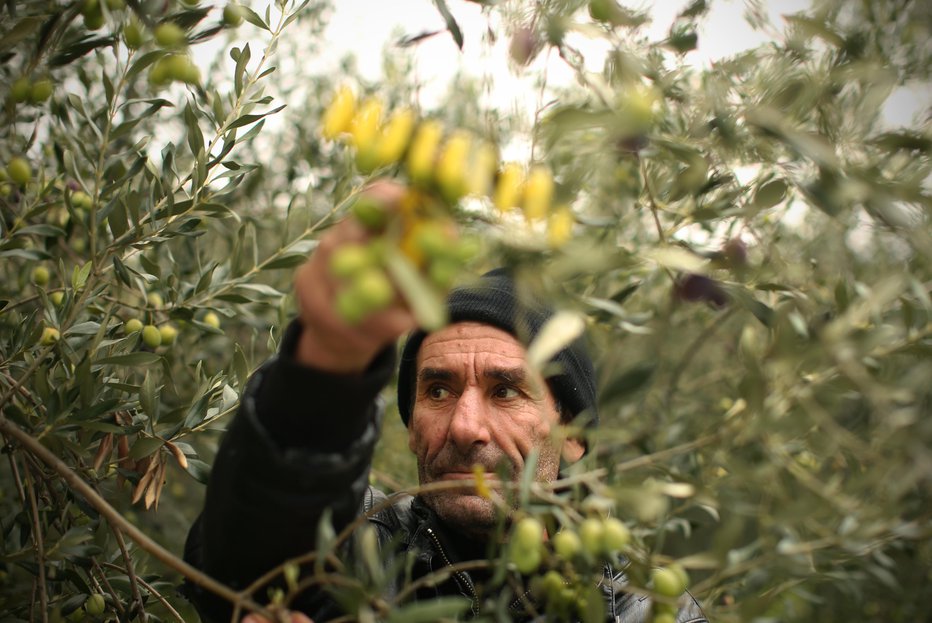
232 15
667 582
526 560
158 74
529 532
151 336
350 306
180 67
444 271
21 89
350 260
81 199
93 21
615 536
374 288
40 275
526 546
552 585
41 90
19 170
50 335
95 604
132 35
591 531
370 213
433 240
168 333
680 572
211 319
169 35
133 325
567 544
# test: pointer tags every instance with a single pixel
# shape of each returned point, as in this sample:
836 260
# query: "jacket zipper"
459 575
517 602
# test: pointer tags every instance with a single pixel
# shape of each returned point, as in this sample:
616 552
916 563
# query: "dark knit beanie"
493 300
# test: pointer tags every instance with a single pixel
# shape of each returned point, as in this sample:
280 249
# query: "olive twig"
71 478
39 546
151 590
130 571
121 611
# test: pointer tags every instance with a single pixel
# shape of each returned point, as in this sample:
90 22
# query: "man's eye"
506 392
438 392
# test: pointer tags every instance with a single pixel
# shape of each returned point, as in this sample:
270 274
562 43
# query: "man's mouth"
456 475
470 475
490 478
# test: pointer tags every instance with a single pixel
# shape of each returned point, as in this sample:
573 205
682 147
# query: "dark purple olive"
735 252
524 45
695 288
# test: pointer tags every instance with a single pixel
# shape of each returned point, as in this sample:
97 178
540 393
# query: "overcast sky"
365 27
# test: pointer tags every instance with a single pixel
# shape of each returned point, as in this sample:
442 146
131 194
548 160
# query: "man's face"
478 403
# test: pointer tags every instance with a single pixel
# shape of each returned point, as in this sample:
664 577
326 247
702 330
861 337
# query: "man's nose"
470 424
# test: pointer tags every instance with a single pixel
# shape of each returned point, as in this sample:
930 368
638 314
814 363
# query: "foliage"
750 250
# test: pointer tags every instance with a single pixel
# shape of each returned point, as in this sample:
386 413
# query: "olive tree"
746 245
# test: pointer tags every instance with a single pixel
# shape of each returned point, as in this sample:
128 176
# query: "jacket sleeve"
302 442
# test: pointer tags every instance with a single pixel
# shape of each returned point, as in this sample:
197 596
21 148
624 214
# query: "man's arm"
302 441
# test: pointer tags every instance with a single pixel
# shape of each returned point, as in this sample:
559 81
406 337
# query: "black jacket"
301 443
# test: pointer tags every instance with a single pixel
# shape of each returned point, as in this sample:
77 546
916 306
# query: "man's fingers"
387 192
388 324
347 321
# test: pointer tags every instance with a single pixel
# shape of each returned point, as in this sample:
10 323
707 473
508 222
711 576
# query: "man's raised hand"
329 341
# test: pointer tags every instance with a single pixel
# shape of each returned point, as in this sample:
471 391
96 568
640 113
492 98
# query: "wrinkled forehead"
471 340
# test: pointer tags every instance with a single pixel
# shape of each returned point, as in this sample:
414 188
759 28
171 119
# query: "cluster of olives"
177 66
557 566
18 172
154 336
440 168
594 539
41 277
94 607
26 90
450 164
418 231
559 581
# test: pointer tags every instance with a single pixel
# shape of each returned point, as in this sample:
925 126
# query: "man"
303 440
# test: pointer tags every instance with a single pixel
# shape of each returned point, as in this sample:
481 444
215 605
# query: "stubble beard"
463 509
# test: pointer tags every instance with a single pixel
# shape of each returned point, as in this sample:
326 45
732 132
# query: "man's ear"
573 449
